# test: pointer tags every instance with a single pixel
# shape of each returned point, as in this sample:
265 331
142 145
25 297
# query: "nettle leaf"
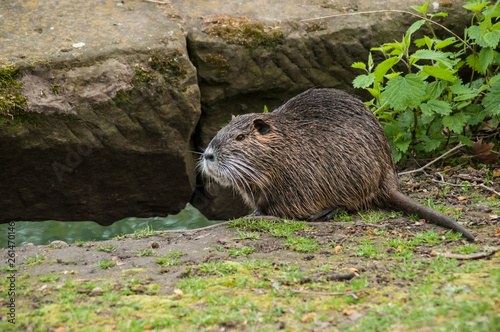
473 63
446 42
463 92
490 39
405 120
495 79
402 92
474 32
435 89
359 65
383 67
420 42
430 144
442 57
403 142
422 9
374 92
440 73
455 122
436 106
438 15
491 102
475 6
464 139
415 26
363 81
476 114
485 58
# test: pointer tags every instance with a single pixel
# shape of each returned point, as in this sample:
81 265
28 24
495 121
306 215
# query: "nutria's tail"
403 203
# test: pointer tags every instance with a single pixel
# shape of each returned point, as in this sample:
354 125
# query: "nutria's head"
236 156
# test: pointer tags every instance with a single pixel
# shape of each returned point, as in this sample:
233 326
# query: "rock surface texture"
116 95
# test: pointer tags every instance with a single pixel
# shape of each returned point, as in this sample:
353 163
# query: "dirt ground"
285 273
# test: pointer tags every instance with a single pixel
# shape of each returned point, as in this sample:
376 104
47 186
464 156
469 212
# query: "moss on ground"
242 31
161 66
12 102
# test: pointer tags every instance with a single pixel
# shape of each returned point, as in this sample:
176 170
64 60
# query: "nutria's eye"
240 137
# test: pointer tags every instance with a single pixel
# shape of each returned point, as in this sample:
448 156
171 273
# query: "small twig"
476 255
489 189
480 185
392 11
421 169
206 228
297 291
160 2
447 183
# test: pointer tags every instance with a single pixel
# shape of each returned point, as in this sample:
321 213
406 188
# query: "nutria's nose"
209 156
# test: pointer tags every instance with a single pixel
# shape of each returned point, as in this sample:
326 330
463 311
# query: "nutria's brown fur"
320 151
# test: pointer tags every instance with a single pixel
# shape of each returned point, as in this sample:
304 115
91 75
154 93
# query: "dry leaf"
493 216
352 270
482 152
338 249
308 317
490 198
178 292
462 198
496 172
347 311
497 232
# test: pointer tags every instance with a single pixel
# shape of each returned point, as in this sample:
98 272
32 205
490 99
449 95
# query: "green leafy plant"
441 92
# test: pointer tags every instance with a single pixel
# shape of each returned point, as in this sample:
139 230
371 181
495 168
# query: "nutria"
321 151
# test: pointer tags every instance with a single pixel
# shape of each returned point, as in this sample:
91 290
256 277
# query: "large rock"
108 132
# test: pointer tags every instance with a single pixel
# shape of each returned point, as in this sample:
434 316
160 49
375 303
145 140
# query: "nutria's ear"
232 117
262 126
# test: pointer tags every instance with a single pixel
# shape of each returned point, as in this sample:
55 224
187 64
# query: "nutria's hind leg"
325 214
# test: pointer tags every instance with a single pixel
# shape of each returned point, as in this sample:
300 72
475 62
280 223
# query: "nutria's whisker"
246 169
196 152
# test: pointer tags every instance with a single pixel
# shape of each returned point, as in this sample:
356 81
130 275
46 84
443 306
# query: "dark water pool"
44 232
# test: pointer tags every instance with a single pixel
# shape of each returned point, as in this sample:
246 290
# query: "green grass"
170 259
372 216
49 278
302 244
144 232
370 249
34 260
145 252
275 228
343 216
108 248
240 235
106 264
217 268
243 251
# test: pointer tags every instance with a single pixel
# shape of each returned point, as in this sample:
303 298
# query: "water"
44 232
